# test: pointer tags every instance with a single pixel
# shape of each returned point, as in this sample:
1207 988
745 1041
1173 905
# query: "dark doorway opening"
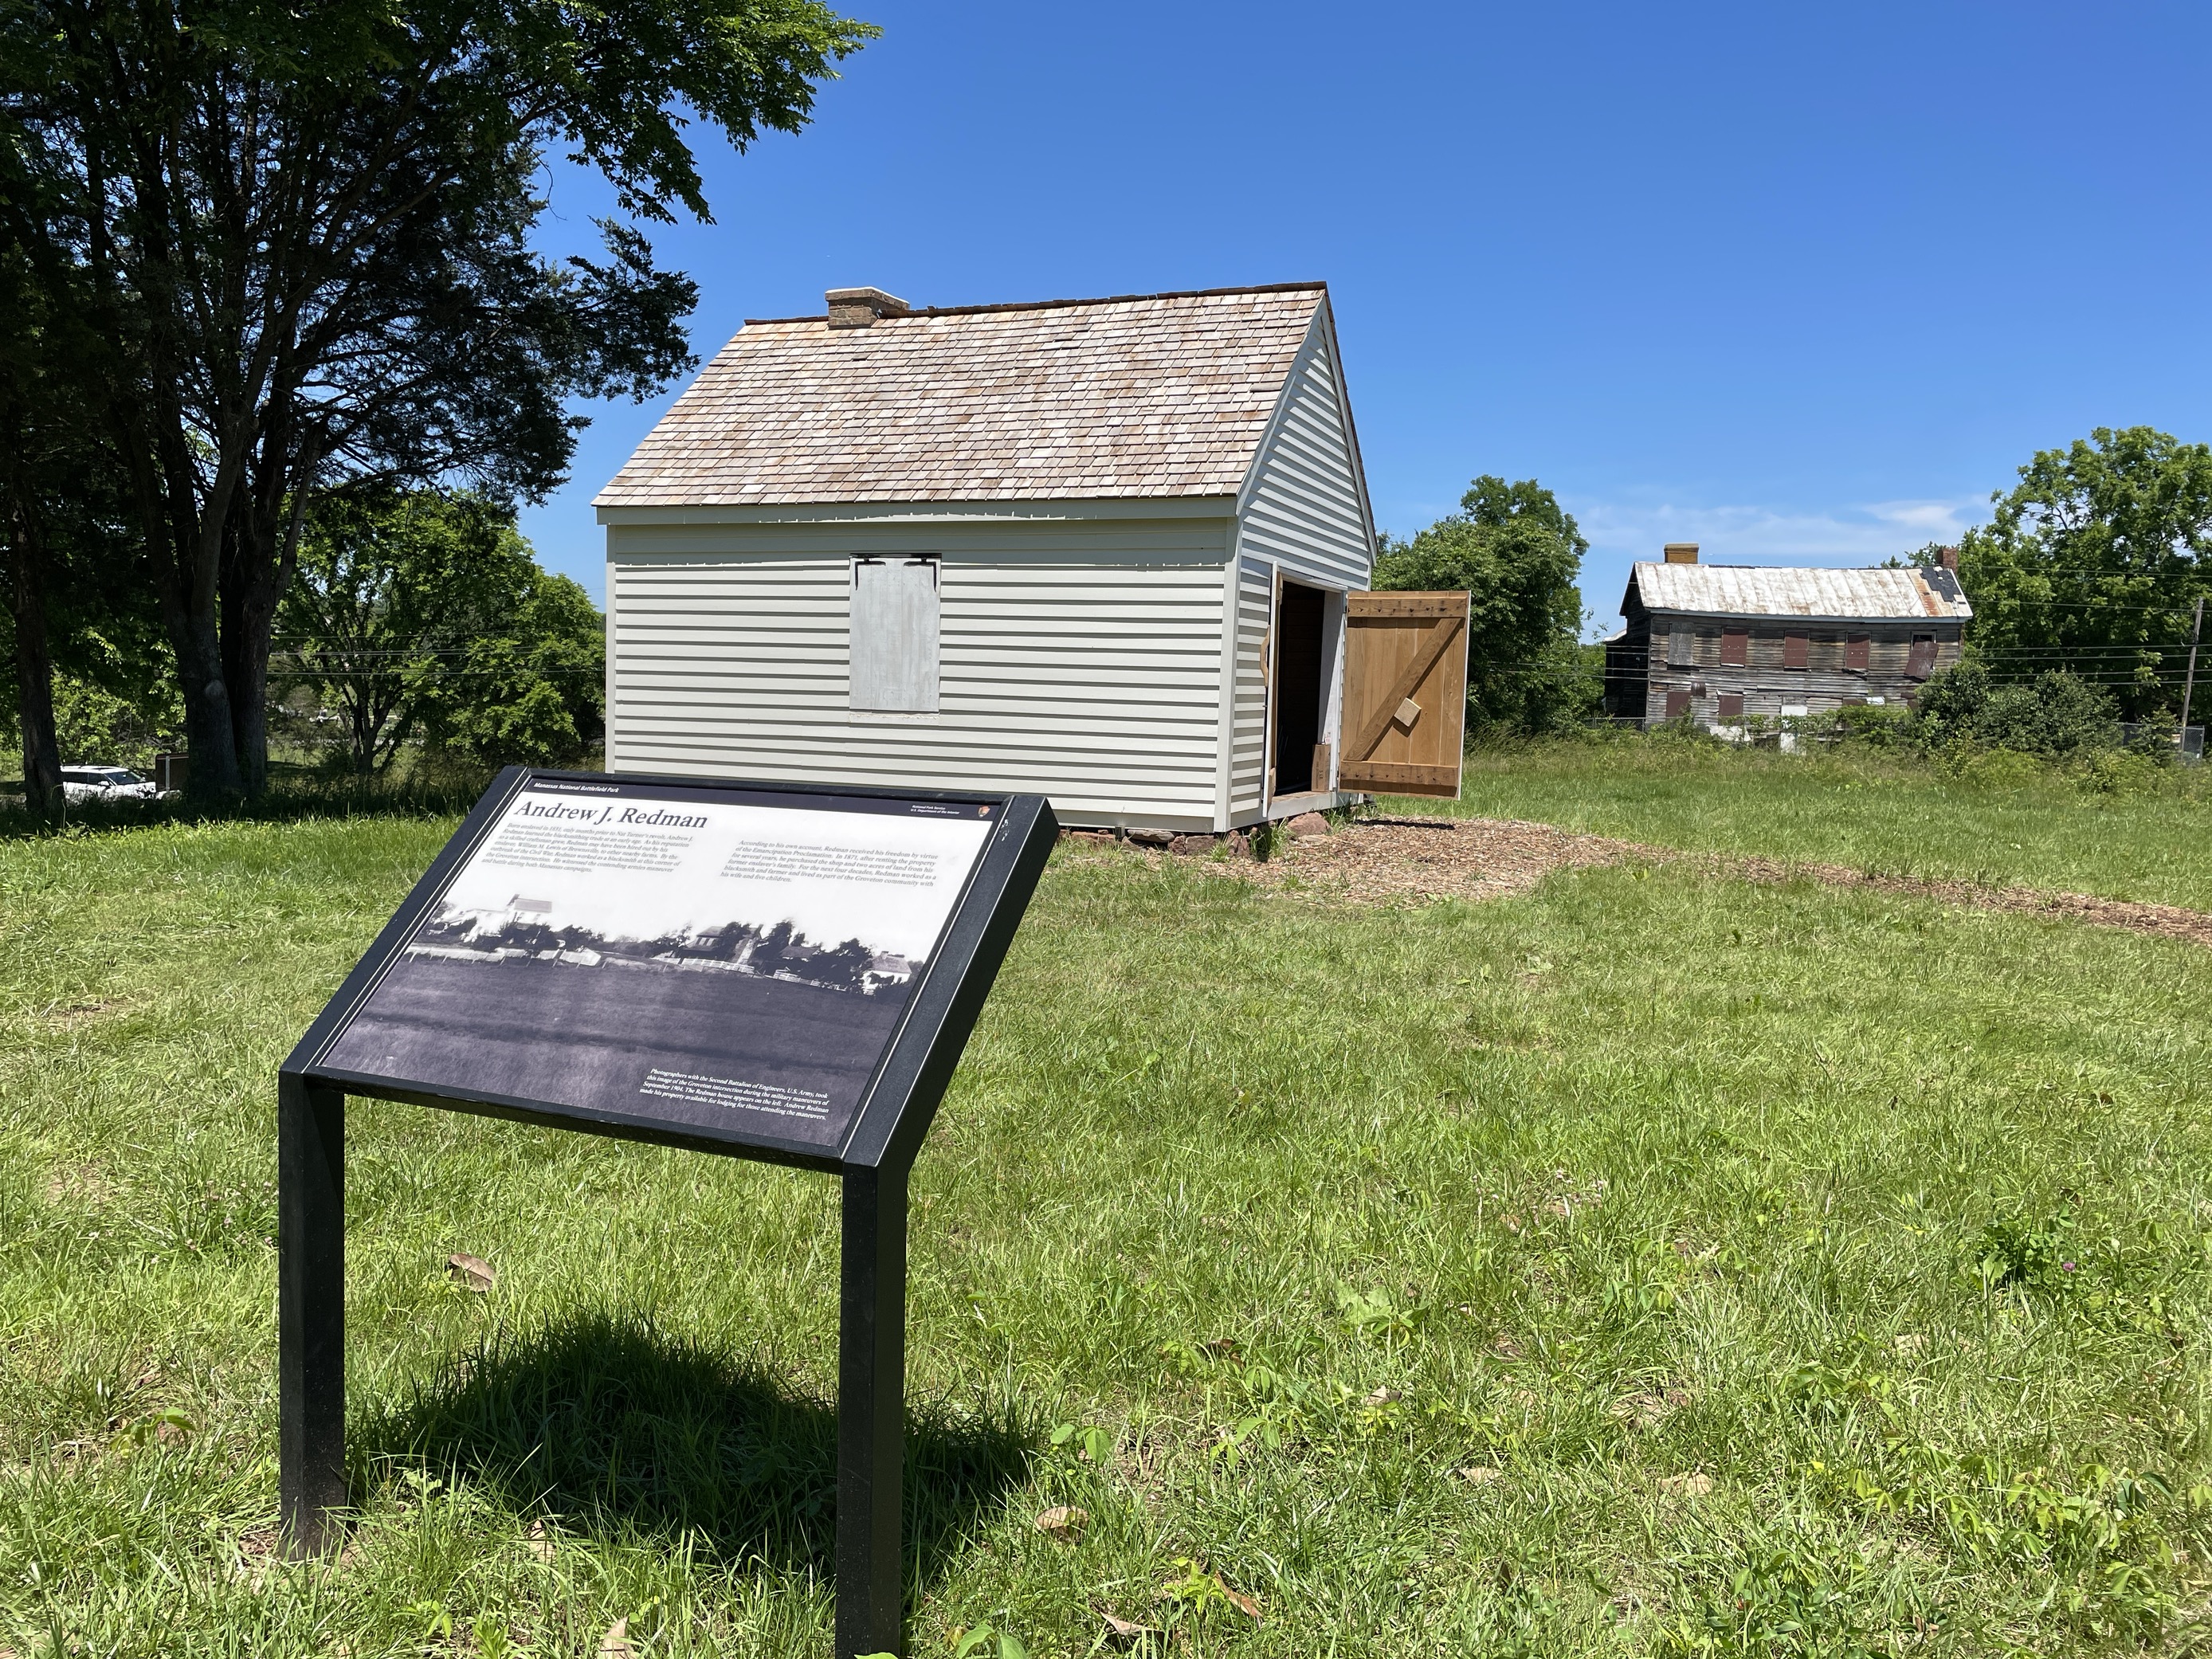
1298 617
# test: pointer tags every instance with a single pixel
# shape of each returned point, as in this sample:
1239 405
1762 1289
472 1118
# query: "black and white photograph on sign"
665 954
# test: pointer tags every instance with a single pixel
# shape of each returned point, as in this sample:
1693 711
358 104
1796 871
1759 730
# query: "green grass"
2001 819
1642 1175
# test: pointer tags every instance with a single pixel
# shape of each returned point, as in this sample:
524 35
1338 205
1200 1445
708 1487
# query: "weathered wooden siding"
1688 654
1080 660
1305 504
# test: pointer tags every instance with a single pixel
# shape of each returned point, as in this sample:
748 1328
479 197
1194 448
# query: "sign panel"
726 959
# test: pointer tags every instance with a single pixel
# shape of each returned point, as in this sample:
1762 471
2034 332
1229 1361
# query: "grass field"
1650 1264
1999 819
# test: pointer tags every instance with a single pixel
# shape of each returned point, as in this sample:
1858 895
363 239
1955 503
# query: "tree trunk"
261 558
249 614
34 668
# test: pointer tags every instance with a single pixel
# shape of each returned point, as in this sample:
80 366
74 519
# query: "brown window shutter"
1920 660
1795 650
1731 705
1678 704
1856 650
1735 647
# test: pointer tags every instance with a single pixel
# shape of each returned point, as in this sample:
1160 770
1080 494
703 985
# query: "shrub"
2056 714
1882 727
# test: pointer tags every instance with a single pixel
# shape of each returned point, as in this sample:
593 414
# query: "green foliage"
293 250
425 613
1518 553
2097 557
2053 714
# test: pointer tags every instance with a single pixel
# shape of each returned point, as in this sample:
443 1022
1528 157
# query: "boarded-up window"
1731 705
1681 645
1920 660
1855 652
1678 704
1735 647
895 636
1795 650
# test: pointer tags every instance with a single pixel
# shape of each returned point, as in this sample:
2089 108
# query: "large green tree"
298 237
423 614
1518 552
2093 563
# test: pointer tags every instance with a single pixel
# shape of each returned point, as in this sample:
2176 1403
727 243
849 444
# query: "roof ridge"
1062 305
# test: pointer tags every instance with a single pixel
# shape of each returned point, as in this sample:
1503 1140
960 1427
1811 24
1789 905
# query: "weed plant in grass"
1993 817
1649 1263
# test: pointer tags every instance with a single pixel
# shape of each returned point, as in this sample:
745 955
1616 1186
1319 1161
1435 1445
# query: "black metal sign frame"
872 1158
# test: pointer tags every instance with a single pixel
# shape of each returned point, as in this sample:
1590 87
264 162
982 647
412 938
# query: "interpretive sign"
773 971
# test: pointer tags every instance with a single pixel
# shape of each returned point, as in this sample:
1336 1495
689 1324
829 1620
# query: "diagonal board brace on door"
1405 691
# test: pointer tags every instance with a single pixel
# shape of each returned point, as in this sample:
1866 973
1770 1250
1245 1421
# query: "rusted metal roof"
1760 590
1147 395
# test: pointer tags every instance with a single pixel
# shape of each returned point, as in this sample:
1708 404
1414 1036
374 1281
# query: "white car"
83 783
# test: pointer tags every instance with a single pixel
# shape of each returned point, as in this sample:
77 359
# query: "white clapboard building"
1100 550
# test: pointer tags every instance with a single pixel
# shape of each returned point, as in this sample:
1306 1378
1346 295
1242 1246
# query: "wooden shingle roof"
1147 395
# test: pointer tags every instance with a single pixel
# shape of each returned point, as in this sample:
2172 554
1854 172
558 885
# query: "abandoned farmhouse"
1719 643
1113 551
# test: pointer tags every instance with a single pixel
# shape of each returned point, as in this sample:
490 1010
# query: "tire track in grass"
1422 860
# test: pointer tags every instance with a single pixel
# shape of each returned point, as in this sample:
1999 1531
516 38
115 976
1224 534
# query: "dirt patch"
79 1183
1386 859
1422 859
67 1017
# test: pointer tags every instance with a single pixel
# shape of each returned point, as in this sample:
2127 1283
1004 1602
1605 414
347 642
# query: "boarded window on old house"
1731 705
1795 651
1920 660
895 636
1855 652
1735 647
1680 645
1678 704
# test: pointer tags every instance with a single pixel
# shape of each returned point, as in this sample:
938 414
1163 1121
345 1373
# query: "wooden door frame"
1335 603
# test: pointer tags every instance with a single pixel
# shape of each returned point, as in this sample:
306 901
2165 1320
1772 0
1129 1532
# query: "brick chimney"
1947 557
1681 552
859 307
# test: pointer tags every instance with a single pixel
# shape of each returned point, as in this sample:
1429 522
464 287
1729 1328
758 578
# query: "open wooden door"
1405 692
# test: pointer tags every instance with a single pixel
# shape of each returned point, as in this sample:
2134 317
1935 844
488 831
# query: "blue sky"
1802 284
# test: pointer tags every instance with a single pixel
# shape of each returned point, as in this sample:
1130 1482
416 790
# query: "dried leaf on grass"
471 1272
538 1544
1064 1522
1125 1631
615 1643
1479 1474
1695 1484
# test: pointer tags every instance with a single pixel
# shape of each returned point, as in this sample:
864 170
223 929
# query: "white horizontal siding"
1305 506
1095 682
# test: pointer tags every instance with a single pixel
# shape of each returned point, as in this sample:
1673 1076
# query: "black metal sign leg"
310 1313
872 1415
